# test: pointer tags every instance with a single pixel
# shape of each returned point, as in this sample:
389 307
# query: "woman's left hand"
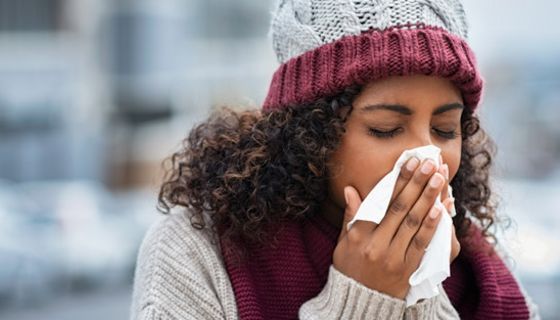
449 204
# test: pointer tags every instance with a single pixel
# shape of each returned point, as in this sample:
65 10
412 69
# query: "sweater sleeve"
345 298
438 307
178 276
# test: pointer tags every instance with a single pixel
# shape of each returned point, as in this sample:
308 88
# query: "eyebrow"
407 111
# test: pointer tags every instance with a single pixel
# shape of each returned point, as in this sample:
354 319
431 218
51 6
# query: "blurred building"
53 101
520 111
104 90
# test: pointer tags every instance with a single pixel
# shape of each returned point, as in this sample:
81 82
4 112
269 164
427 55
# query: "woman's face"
418 110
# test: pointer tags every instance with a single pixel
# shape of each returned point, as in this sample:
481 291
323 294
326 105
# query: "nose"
421 137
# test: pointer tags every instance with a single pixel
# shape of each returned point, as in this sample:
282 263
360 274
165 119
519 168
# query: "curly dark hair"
248 170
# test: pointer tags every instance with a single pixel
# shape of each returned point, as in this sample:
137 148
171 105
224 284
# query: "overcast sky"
519 27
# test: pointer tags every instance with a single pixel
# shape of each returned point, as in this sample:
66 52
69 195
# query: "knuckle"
397 207
412 221
430 224
419 243
353 236
372 255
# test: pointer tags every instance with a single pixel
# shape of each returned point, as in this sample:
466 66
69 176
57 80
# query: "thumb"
353 202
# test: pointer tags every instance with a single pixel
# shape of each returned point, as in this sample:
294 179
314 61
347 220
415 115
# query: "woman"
262 196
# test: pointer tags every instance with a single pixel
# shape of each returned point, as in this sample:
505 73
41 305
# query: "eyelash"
450 135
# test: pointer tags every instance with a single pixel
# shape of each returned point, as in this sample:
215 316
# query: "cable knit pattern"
300 25
325 46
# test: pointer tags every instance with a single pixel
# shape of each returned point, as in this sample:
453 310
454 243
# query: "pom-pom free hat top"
324 46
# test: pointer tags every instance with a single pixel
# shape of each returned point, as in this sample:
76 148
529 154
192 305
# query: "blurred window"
30 15
233 19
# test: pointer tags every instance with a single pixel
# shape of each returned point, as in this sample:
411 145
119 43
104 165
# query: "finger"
444 170
451 207
353 202
448 204
413 220
406 173
421 240
399 208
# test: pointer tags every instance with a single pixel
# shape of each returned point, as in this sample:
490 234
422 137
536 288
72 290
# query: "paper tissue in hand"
434 266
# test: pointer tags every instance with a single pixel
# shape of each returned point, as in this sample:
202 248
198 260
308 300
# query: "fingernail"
412 164
346 194
427 167
436 181
434 213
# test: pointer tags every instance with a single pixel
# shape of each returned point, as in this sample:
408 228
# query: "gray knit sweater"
180 274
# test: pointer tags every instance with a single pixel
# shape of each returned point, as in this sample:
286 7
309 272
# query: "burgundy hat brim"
358 59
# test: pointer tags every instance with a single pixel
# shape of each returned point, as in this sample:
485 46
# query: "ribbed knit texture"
180 274
372 55
275 282
481 286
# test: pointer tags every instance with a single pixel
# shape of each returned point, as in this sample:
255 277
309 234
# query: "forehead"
416 92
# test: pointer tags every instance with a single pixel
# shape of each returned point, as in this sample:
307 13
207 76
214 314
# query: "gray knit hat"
325 45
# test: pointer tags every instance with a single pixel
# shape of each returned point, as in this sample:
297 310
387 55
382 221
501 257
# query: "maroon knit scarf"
274 283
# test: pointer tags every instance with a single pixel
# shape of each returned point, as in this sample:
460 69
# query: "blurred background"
94 94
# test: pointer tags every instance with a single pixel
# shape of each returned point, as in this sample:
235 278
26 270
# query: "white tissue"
434 266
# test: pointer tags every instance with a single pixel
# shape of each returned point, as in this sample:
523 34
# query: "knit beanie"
324 46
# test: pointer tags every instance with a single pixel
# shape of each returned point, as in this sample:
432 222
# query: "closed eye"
383 134
391 133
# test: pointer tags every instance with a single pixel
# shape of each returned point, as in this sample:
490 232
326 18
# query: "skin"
384 256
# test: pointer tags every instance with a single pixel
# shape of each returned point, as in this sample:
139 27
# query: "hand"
383 256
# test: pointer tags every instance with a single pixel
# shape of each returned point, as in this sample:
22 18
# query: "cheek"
358 162
452 156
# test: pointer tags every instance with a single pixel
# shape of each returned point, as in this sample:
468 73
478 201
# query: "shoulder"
180 267
173 236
